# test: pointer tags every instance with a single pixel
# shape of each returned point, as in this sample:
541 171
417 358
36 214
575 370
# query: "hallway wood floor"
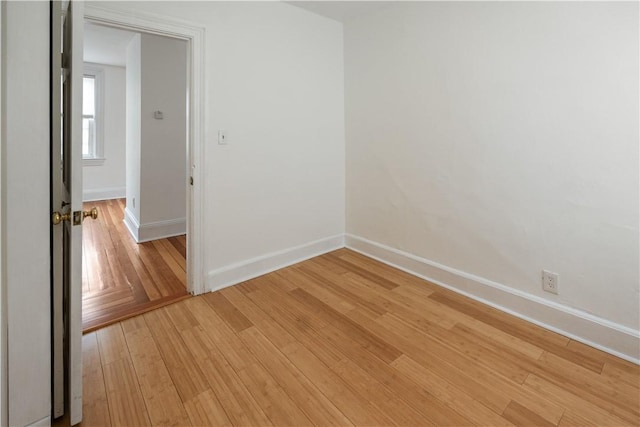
344 340
121 278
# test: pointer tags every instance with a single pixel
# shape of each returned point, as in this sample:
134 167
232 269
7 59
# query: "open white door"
66 200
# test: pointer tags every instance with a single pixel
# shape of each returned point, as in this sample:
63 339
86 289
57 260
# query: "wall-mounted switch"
158 115
222 137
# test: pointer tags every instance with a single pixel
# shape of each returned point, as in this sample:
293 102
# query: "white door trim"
195 35
4 399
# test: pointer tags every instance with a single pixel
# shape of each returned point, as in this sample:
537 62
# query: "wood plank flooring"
344 340
121 278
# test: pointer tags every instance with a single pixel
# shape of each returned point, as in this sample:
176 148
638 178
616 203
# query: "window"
92 144
89 117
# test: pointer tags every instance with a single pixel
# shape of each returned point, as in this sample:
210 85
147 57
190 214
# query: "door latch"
78 216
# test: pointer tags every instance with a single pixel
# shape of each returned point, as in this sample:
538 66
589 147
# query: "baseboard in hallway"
98 194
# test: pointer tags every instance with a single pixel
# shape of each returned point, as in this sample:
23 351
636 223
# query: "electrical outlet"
550 282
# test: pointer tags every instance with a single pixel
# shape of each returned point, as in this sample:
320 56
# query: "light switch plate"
222 137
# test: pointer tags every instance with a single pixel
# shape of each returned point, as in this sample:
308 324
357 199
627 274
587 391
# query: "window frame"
97 72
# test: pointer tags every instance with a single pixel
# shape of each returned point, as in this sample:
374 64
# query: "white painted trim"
101 64
162 229
4 395
579 325
131 223
91 195
93 161
45 422
74 338
195 35
153 230
245 270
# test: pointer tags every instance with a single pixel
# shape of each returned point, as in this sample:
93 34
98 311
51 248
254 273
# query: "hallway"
121 278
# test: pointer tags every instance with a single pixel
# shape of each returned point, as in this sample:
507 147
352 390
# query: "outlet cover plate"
550 282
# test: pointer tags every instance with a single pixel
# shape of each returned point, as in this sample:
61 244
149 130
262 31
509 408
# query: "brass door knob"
57 217
93 213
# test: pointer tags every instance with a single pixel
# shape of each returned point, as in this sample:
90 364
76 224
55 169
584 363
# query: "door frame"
195 37
4 396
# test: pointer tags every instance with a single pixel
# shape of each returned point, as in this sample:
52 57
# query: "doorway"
110 16
134 173
70 260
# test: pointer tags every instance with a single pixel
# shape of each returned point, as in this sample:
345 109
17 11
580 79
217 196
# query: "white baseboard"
249 269
90 195
597 332
154 230
131 223
162 229
46 421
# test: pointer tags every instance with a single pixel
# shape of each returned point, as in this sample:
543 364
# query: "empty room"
397 213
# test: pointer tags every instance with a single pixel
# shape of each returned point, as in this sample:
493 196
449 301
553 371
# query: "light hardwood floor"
121 278
344 340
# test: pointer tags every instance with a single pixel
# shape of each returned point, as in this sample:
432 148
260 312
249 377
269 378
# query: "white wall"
500 139
163 163
157 81
107 181
274 81
26 200
133 133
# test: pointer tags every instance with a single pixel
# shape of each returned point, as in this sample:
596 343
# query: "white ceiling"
105 45
342 11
